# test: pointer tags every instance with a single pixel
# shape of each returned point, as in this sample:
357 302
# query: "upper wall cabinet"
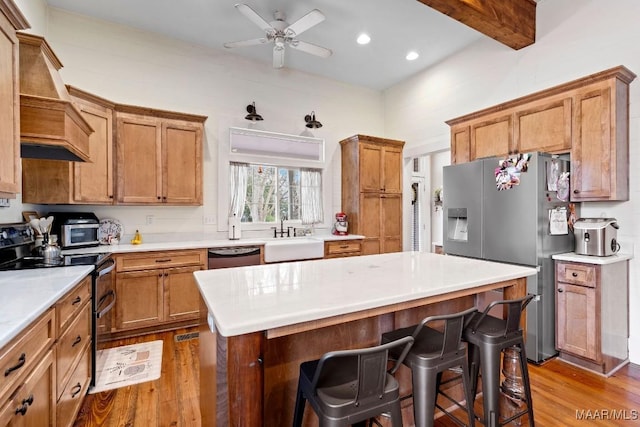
10 20
588 118
158 157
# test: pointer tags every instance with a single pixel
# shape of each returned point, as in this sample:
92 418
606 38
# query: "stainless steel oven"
103 300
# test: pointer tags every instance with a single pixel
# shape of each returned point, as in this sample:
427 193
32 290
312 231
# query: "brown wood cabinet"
10 20
29 380
592 314
342 248
588 118
159 159
157 289
372 191
73 351
51 181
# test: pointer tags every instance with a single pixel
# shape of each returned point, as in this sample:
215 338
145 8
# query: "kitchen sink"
293 249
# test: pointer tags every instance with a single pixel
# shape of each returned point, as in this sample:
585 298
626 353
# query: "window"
268 194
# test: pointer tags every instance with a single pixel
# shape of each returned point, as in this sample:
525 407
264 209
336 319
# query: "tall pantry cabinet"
372 191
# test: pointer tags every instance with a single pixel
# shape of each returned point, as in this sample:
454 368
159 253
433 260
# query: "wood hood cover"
51 127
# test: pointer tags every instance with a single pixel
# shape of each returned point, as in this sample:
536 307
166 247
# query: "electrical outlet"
209 220
4 203
149 219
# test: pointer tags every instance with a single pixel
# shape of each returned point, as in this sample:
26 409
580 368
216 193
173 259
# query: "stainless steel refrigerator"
520 224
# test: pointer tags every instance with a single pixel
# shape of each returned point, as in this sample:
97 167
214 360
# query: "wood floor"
563 395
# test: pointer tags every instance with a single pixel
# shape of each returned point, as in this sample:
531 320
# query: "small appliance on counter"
235 230
75 229
596 236
341 225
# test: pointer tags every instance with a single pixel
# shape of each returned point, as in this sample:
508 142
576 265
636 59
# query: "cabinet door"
370 168
591 152
492 137
392 170
182 161
139 301
370 223
460 141
181 295
93 181
36 398
577 329
545 127
139 160
391 220
9 111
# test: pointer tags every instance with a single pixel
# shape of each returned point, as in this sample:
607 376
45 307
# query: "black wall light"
312 123
253 115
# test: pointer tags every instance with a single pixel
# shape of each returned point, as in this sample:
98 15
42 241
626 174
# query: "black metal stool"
432 353
487 337
351 386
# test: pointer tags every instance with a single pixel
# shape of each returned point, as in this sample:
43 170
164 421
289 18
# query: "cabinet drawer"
72 395
342 248
21 354
72 344
71 304
577 274
34 397
153 260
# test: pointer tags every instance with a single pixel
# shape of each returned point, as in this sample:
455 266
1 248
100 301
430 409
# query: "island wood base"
251 380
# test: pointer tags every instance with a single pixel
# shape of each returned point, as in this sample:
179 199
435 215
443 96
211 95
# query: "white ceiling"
395 27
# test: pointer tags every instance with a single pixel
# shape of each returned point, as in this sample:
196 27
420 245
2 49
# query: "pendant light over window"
312 123
253 116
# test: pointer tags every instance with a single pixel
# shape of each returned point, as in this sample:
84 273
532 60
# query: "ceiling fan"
282 34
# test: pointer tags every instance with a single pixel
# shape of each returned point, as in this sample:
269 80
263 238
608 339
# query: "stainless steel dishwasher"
234 256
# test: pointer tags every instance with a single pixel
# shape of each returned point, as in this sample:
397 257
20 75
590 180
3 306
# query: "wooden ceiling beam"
511 22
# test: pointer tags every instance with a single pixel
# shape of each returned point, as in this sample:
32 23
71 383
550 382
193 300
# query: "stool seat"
432 353
487 337
350 386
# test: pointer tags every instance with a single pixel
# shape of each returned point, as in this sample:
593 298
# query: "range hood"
51 127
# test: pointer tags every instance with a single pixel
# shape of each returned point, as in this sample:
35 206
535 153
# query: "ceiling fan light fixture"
412 55
363 39
253 116
312 123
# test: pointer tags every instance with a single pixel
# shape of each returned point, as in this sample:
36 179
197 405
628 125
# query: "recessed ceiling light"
363 39
412 55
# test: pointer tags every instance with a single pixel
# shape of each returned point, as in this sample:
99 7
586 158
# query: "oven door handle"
111 264
103 298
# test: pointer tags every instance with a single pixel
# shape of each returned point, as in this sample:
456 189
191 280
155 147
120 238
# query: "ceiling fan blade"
303 24
242 43
253 16
311 48
278 57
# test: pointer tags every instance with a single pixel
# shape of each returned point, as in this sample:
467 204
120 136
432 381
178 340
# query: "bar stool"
487 337
432 353
351 386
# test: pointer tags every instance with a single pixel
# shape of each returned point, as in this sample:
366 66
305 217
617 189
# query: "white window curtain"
311 196
238 178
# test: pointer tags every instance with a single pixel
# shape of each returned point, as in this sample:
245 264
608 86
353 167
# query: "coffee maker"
341 224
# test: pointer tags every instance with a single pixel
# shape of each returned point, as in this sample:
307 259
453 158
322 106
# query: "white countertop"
198 244
29 293
250 299
586 259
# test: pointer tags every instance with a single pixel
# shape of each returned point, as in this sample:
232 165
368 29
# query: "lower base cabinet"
592 314
342 248
157 289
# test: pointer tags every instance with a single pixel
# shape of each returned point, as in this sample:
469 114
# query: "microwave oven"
75 229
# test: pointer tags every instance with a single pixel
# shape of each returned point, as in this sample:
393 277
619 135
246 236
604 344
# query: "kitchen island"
259 323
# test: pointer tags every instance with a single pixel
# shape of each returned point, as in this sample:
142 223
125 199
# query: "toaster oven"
75 229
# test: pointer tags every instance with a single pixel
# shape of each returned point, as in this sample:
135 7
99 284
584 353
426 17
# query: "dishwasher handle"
234 252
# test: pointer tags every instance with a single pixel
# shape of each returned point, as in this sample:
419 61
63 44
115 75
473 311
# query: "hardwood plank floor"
563 395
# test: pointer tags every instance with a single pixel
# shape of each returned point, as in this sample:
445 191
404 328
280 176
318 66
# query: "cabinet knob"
576 191
574 274
560 290
159 198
